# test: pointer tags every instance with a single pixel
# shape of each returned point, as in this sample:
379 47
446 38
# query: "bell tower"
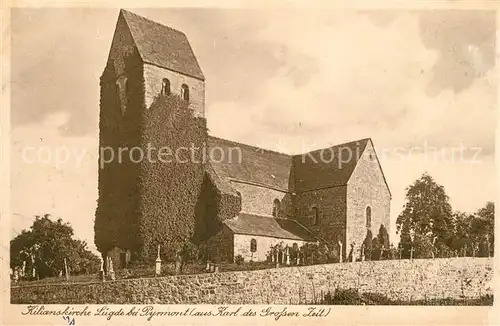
146 60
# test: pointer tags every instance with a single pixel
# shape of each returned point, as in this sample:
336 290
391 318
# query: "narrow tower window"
276 207
368 217
253 245
122 84
315 217
185 92
165 87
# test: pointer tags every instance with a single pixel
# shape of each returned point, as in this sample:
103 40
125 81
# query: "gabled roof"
269 227
327 167
251 164
162 46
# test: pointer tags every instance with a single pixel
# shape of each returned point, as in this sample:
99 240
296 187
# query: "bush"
368 245
318 254
239 260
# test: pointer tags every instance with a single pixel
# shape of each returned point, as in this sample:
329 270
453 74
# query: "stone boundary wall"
397 279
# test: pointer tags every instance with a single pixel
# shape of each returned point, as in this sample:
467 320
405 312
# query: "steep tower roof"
162 46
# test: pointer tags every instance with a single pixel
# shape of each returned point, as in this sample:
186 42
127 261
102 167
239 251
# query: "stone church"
258 199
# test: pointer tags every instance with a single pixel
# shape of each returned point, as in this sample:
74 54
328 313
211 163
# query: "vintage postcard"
259 164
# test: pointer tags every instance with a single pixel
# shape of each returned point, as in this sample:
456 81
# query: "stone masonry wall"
153 78
331 204
366 187
397 279
259 200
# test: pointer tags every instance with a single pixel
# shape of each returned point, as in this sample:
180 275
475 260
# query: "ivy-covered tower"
152 97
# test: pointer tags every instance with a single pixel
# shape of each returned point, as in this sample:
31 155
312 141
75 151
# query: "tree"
427 211
405 244
367 245
381 247
483 229
45 246
422 246
474 233
461 236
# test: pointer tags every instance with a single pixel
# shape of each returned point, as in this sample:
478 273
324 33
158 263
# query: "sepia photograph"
231 156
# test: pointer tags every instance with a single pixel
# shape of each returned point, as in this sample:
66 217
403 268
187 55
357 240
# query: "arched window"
123 92
253 245
368 217
185 92
276 207
315 215
165 87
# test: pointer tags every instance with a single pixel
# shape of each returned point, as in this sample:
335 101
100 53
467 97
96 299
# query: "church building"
248 199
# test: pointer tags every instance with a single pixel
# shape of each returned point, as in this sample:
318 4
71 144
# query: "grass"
90 278
354 297
144 271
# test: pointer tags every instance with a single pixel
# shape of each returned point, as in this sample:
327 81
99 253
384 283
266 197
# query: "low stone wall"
397 279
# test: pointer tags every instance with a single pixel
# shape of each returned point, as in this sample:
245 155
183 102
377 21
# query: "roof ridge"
251 146
151 21
337 145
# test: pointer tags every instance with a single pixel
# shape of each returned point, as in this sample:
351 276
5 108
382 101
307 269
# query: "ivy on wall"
117 215
169 188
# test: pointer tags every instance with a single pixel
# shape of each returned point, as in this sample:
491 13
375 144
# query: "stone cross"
66 270
111 270
340 251
488 244
411 252
101 270
158 263
352 250
400 253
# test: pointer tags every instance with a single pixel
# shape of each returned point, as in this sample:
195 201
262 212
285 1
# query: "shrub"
318 254
423 247
239 259
368 245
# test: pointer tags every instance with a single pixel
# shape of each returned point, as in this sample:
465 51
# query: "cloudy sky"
422 85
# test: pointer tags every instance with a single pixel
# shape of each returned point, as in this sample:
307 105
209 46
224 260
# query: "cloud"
361 81
465 40
42 183
57 58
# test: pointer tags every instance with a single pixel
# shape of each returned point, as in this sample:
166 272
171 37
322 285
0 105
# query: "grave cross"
66 270
340 251
158 263
411 252
400 253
